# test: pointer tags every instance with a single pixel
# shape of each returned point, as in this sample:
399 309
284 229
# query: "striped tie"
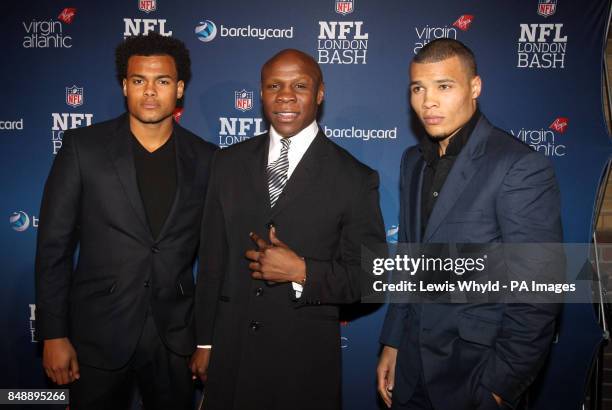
277 172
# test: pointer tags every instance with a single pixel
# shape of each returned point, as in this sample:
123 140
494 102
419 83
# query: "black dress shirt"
156 176
438 167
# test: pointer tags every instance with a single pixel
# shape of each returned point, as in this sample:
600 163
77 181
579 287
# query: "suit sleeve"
212 260
56 242
339 280
395 319
528 209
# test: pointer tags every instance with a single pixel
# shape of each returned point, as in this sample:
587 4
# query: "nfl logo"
345 7
243 100
74 96
547 7
147 5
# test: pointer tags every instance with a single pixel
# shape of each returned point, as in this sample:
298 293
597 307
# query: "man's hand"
275 261
385 373
60 361
199 364
498 399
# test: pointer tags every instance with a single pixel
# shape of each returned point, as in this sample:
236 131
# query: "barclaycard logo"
206 31
11 125
392 234
344 342
20 221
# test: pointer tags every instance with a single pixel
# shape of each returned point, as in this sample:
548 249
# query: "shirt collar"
429 147
299 142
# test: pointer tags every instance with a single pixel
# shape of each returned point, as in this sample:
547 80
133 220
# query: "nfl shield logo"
243 100
547 7
147 5
345 7
74 96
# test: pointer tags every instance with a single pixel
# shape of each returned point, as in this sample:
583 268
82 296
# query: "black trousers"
162 378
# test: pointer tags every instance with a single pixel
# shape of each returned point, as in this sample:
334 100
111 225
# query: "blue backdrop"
541 64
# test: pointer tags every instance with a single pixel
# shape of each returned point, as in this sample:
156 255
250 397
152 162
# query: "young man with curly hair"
129 193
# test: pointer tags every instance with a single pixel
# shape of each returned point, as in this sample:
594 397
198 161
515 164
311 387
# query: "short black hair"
443 48
153 44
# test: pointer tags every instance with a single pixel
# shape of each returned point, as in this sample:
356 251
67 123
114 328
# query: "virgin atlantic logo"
67 15
177 114
559 124
463 22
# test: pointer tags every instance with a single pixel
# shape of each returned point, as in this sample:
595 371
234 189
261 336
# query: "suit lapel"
304 174
120 150
413 201
468 162
185 173
255 167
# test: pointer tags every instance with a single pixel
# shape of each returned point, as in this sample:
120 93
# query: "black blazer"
91 200
269 350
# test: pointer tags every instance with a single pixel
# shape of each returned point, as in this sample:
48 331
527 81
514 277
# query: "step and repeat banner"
540 62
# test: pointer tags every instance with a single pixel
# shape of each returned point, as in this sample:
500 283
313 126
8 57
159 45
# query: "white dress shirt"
299 144
298 147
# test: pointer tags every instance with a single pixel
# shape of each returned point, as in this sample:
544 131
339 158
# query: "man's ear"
180 89
124 87
476 86
320 93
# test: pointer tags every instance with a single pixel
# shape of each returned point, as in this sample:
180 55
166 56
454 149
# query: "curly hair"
153 44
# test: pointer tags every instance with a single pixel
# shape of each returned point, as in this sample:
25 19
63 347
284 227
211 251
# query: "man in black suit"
469 182
129 193
299 208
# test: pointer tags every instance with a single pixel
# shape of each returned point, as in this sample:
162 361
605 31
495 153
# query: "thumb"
74 368
391 379
274 239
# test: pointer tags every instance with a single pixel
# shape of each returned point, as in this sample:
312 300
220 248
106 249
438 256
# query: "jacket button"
255 325
154 249
259 292
147 283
